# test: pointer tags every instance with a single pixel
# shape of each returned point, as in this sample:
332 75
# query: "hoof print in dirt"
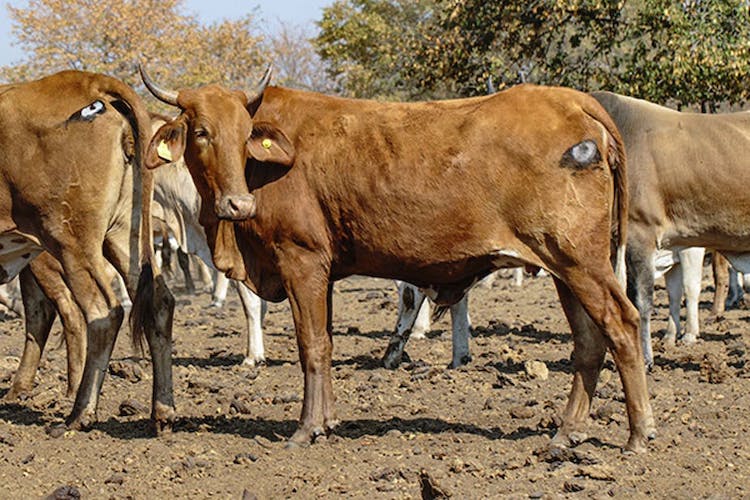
65 493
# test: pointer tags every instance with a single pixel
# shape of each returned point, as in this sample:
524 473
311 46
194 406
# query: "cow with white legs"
683 167
73 185
412 307
179 206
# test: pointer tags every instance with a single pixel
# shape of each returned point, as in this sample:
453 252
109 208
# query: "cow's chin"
236 207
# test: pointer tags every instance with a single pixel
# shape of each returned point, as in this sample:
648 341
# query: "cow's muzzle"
236 207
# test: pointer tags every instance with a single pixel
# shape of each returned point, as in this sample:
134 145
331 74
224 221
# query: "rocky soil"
420 431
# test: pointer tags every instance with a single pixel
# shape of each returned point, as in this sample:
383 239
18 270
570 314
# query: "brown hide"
436 193
424 192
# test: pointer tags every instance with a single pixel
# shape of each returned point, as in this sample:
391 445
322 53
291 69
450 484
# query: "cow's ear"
168 144
269 144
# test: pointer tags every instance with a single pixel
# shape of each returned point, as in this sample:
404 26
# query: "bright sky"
301 12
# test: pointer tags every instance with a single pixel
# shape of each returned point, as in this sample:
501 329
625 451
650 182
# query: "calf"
300 189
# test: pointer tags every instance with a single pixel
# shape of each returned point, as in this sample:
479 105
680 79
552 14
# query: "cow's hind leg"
722 286
673 279
40 314
92 290
151 316
691 262
589 347
640 276
461 325
609 309
410 303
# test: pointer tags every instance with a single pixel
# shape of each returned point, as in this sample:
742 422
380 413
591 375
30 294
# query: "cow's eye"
201 133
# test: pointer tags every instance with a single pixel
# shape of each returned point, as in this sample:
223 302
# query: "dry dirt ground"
476 432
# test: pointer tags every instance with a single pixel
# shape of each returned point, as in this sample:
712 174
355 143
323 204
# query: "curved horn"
262 84
168 96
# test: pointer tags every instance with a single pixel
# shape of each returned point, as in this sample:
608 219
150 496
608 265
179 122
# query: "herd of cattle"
286 191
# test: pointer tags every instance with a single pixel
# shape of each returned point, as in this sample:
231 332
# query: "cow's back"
423 188
683 168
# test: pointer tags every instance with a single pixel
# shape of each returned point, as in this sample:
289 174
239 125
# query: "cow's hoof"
418 334
669 340
568 439
251 362
689 339
392 357
713 318
162 418
636 445
15 394
462 361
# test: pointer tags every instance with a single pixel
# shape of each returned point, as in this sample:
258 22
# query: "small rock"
128 370
117 479
536 370
521 412
430 489
245 458
714 370
6 438
286 398
570 487
246 495
240 406
131 407
65 493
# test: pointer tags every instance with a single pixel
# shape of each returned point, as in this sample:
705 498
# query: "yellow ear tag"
267 143
163 151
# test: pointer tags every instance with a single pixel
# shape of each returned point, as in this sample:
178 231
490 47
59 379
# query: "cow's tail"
616 160
151 293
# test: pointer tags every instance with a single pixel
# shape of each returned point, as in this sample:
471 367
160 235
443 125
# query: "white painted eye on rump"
584 152
92 109
88 113
581 155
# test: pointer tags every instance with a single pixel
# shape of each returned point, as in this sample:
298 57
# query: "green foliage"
681 52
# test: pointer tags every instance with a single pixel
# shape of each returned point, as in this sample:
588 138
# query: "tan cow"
300 189
687 178
72 184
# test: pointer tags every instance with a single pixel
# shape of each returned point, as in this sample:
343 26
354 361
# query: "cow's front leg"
310 296
410 304
255 309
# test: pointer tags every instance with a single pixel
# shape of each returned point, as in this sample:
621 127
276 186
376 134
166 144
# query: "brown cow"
73 144
438 194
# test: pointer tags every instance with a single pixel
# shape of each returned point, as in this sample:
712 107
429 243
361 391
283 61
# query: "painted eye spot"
581 155
89 112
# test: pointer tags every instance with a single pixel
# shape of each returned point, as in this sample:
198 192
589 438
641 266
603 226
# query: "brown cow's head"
215 134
